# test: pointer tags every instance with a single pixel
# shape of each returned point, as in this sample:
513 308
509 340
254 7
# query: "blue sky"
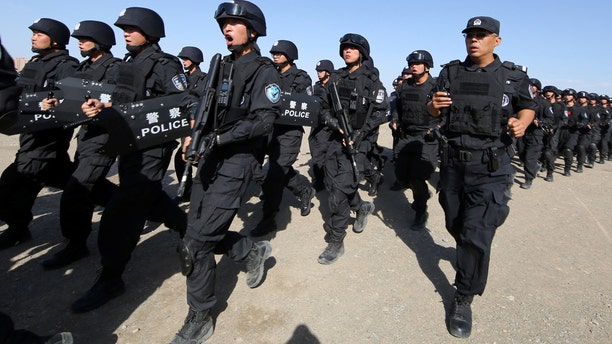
563 43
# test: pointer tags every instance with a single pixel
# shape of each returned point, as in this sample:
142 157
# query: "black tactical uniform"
42 158
319 136
283 149
416 151
88 185
551 119
196 83
568 132
606 121
9 91
597 116
364 98
242 122
146 73
584 115
533 140
476 172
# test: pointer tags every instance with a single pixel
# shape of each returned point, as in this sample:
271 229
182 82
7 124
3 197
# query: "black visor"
231 9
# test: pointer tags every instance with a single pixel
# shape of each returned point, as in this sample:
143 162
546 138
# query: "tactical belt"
466 155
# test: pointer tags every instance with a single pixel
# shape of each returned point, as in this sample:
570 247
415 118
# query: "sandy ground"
550 279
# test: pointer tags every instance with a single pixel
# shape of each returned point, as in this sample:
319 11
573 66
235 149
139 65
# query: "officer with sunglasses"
364 99
485 105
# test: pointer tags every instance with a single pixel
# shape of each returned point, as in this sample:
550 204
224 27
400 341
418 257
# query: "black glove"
332 123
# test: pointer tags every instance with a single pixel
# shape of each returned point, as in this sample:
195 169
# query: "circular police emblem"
505 100
273 93
477 22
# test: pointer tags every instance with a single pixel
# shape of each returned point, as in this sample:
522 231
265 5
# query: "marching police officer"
319 135
583 113
595 121
191 58
284 145
364 98
146 72
416 152
533 140
552 115
568 130
88 185
606 120
479 98
245 121
42 158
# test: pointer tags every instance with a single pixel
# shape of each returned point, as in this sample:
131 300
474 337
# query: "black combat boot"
255 263
566 172
579 168
306 200
602 159
374 183
366 208
107 287
549 176
333 251
265 226
420 221
460 316
71 253
527 184
198 327
14 236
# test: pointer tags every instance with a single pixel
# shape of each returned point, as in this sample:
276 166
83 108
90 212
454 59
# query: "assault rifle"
345 126
200 147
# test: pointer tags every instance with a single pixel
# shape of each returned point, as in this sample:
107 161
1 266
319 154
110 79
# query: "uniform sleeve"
167 79
263 110
523 99
303 83
380 104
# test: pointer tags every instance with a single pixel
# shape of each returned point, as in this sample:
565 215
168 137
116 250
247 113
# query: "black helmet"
243 10
325 65
285 47
421 56
569 91
99 32
593 96
552 89
604 97
357 40
192 53
58 32
146 20
583 94
535 82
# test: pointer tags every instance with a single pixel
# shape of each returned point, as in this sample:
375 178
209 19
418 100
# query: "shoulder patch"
273 93
180 82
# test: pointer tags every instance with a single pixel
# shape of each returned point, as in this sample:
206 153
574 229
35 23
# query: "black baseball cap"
485 23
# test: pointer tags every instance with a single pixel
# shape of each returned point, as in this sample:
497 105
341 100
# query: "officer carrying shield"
42 158
88 185
146 72
284 145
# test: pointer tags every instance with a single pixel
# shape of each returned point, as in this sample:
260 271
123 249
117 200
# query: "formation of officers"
468 123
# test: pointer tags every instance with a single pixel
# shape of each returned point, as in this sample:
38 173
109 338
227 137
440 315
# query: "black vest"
37 73
96 74
413 103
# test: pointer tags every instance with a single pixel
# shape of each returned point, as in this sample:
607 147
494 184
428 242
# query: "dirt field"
550 278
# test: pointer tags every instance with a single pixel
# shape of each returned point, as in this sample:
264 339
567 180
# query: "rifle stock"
198 148
345 126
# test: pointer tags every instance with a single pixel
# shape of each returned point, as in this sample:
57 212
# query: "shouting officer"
244 122
42 158
416 152
486 103
363 97
88 185
146 72
319 135
284 145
